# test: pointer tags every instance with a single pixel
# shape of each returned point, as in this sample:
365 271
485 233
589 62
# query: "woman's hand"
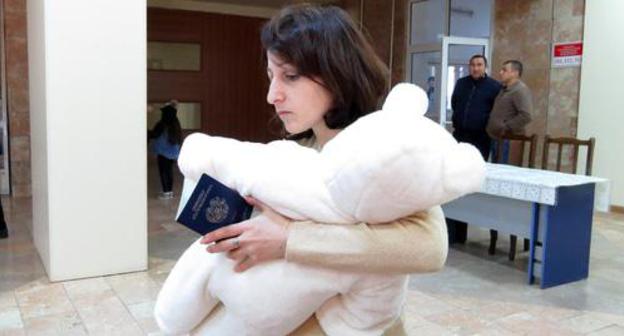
253 241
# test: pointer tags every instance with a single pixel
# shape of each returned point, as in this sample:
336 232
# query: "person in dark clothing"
472 101
167 135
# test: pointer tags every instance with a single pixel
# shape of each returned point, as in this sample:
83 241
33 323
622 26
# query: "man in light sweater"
510 114
513 105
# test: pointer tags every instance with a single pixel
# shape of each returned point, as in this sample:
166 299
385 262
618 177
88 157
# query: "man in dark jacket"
472 101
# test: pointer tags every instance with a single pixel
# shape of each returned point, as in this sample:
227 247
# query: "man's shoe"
166 195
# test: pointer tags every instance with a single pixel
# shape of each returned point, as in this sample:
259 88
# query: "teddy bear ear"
406 98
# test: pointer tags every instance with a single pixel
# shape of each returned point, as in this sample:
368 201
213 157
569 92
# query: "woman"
167 135
323 76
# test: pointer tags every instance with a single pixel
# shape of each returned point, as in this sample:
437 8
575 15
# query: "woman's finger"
255 203
237 254
246 263
226 232
225 245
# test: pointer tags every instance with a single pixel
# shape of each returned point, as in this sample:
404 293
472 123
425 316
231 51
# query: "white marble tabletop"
536 185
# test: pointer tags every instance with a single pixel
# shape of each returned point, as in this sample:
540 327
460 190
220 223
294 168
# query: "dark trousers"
3 226
478 139
458 230
165 168
505 155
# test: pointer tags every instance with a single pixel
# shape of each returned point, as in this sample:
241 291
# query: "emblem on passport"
217 210
213 205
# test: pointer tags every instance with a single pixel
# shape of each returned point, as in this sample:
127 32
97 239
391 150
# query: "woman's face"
299 101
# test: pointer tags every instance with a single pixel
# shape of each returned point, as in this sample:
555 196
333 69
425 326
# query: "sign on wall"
567 54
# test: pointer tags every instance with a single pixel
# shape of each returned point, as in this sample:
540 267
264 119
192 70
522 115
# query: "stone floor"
476 294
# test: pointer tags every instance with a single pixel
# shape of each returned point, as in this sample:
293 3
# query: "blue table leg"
533 240
568 236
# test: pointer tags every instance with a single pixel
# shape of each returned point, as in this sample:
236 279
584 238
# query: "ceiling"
257 3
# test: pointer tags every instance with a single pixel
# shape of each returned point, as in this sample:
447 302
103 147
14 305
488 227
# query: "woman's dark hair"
168 122
324 44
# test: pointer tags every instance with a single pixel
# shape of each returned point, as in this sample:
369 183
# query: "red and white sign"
567 54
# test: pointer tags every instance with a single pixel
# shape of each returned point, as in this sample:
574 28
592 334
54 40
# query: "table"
554 210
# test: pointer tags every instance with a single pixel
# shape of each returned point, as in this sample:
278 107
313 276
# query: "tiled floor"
475 294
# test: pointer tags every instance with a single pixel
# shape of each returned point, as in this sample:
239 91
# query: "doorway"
443 35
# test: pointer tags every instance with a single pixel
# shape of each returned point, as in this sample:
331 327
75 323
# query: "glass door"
436 68
456 53
426 73
436 54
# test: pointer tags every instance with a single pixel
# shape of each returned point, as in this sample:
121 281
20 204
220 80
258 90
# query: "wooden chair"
523 140
570 142
526 143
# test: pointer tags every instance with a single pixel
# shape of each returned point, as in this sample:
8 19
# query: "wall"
231 85
601 112
213 7
88 102
39 126
384 21
17 95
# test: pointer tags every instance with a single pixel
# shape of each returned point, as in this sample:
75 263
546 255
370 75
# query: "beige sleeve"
523 102
414 244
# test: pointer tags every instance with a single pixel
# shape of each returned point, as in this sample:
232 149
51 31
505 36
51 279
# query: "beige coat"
414 244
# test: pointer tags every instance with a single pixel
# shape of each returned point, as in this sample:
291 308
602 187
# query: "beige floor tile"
160 270
41 300
413 321
88 292
609 317
118 330
459 321
109 316
495 311
424 305
134 288
13 332
550 313
143 313
526 323
494 330
10 318
7 300
55 325
157 333
612 330
465 301
429 328
585 323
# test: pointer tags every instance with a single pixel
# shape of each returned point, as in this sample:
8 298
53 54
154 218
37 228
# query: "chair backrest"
575 144
527 142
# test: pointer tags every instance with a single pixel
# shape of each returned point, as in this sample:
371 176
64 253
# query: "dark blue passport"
213 205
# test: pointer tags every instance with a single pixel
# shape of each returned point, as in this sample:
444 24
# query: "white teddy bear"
386 165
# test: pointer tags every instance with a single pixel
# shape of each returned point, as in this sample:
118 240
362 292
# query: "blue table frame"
560 234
